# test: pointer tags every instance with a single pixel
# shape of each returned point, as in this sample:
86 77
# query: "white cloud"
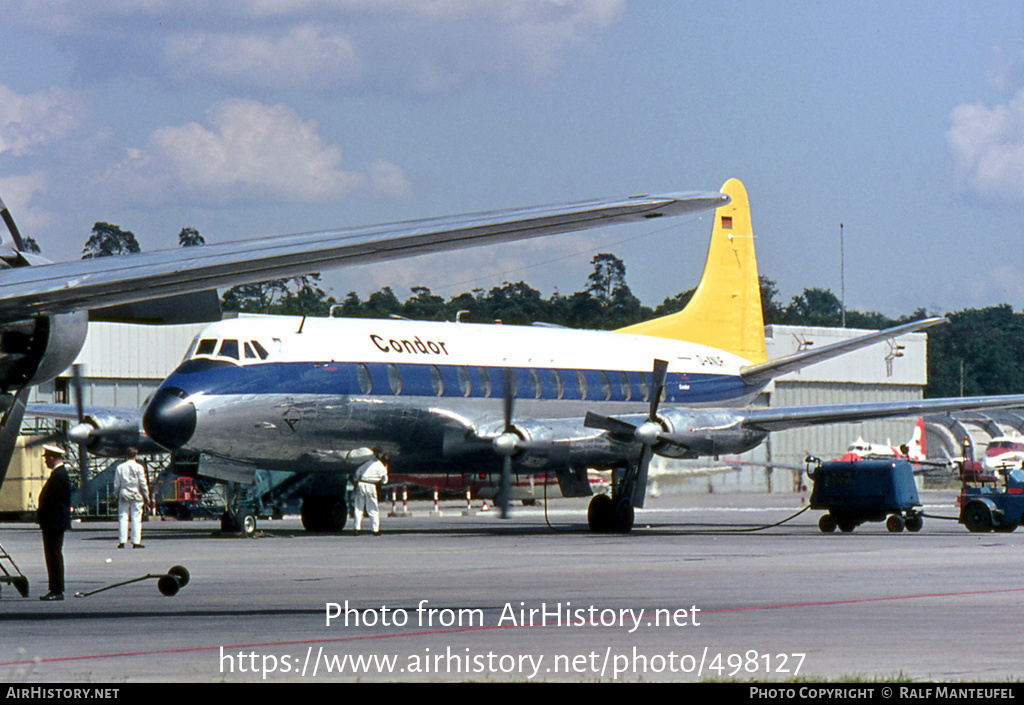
423 46
244 151
987 145
28 122
18 194
306 55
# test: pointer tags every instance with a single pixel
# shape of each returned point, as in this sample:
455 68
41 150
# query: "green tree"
190 237
425 306
254 298
814 307
107 240
516 304
383 303
304 297
981 350
31 245
608 277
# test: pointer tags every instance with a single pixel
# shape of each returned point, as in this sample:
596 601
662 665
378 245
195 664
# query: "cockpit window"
260 350
249 354
229 348
206 346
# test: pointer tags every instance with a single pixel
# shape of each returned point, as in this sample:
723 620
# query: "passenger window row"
487 382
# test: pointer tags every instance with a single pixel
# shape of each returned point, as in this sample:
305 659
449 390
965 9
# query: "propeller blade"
640 484
657 387
609 424
83 447
508 396
76 382
505 493
44 440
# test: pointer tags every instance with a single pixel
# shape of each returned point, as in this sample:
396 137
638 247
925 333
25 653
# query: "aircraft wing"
46 289
785 417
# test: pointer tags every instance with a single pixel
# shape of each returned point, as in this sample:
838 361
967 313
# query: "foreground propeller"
648 433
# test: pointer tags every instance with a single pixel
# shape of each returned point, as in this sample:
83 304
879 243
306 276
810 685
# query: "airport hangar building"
122 364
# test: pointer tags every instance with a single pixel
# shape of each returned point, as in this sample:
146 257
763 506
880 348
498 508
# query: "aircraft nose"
170 419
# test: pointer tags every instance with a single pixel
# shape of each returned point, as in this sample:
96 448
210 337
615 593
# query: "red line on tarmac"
861 600
197 649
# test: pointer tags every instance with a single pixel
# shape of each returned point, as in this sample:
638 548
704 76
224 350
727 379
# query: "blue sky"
903 121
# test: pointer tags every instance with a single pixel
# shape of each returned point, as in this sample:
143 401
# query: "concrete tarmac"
698 591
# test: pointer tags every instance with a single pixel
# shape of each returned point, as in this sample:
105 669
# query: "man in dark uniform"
54 515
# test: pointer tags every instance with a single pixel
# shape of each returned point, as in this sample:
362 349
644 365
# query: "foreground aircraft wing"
47 289
785 417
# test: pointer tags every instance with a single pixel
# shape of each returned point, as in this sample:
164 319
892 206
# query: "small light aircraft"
311 395
913 451
1004 453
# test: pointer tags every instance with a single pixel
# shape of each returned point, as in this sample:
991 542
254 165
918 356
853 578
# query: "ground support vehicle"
853 492
991 503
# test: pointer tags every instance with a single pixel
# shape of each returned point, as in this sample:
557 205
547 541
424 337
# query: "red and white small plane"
913 451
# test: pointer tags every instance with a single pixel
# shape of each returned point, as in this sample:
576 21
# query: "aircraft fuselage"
286 393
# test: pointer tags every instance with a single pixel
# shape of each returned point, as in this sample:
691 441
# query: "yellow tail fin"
725 311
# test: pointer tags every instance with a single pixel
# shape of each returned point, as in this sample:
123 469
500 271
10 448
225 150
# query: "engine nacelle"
36 350
705 432
109 435
63 337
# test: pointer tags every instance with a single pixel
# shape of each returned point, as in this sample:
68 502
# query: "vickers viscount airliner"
311 395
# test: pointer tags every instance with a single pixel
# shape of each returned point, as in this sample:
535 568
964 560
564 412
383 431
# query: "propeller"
648 433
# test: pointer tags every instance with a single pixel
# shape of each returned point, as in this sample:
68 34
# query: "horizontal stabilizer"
767 371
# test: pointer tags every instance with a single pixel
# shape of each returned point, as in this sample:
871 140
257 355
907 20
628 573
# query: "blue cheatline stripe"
425 380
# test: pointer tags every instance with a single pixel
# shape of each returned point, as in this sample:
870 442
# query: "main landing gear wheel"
324 513
606 515
599 514
827 523
244 523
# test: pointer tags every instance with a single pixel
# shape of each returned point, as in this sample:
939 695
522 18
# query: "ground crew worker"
54 517
132 494
368 477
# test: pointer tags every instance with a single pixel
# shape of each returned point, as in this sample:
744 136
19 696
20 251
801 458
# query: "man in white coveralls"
370 474
132 494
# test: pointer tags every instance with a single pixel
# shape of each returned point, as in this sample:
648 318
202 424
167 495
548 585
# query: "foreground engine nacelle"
35 351
690 433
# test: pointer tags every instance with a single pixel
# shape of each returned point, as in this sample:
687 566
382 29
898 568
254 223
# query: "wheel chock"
168 583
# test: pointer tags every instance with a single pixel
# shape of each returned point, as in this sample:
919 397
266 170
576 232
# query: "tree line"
979 352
